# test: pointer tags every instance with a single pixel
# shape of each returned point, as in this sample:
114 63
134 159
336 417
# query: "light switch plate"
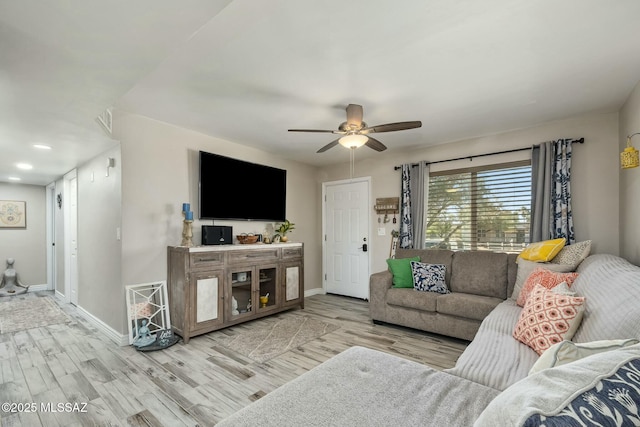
382 231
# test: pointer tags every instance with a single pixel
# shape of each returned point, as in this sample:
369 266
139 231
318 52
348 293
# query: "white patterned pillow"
548 318
573 254
429 277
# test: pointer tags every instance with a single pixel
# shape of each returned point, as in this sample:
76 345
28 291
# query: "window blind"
484 208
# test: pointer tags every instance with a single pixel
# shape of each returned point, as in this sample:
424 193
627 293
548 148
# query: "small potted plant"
285 228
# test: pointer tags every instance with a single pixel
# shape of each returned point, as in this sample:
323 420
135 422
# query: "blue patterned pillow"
612 402
429 277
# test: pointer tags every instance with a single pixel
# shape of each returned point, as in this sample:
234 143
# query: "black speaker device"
217 235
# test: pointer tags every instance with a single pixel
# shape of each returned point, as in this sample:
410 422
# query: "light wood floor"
185 385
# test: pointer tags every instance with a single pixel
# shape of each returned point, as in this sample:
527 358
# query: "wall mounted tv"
239 190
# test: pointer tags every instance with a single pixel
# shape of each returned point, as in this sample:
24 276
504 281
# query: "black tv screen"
239 190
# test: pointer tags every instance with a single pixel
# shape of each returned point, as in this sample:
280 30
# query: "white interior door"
346 237
71 237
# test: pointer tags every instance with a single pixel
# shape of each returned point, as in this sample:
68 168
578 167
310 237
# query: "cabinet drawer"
242 257
288 253
206 259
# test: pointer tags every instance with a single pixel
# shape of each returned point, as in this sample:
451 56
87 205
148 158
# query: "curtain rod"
579 141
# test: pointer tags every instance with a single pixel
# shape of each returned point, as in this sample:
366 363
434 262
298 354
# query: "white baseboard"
314 291
123 340
37 288
108 331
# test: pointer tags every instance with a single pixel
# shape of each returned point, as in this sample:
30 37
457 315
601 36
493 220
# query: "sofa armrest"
379 283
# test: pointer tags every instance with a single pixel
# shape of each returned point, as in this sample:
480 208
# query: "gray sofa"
490 384
478 282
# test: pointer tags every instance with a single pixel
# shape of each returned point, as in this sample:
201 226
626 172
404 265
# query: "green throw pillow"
401 270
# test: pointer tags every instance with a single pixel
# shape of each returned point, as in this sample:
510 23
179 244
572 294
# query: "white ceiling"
247 70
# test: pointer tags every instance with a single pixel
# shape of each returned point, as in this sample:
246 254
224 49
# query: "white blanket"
550 391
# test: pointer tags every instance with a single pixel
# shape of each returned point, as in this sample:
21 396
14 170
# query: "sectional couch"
595 378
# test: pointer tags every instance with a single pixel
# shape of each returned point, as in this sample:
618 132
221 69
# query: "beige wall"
28 246
630 181
159 169
100 289
160 172
594 181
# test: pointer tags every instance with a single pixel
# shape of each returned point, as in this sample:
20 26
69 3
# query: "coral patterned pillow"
546 278
548 318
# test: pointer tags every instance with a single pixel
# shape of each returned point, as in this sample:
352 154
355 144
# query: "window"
484 208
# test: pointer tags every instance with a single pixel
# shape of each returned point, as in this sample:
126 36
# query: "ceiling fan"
356 132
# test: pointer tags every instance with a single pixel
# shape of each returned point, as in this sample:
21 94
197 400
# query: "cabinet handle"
207 259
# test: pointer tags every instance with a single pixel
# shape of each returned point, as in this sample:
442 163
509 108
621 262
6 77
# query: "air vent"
105 119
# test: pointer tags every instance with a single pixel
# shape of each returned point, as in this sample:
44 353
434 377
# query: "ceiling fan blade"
329 145
312 130
375 144
392 127
354 114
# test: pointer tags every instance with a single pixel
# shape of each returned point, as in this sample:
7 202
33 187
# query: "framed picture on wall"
13 214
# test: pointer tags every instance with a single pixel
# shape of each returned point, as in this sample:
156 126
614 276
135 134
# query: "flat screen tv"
239 190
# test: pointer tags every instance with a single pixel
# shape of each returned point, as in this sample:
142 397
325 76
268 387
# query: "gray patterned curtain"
406 221
562 221
551 215
414 194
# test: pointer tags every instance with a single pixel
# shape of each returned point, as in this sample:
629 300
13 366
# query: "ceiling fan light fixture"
353 141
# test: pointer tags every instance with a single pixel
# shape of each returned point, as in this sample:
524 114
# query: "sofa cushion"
612 287
525 268
480 273
411 298
431 256
546 278
494 358
512 272
548 318
466 305
429 277
543 251
401 270
598 390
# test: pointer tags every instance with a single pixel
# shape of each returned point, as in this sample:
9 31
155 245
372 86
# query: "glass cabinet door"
241 303
267 287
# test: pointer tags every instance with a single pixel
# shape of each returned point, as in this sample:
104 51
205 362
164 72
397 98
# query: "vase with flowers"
284 228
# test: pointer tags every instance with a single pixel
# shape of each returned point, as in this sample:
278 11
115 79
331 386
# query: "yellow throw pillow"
543 251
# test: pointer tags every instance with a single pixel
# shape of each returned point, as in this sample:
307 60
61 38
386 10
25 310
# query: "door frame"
366 179
51 235
73 174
